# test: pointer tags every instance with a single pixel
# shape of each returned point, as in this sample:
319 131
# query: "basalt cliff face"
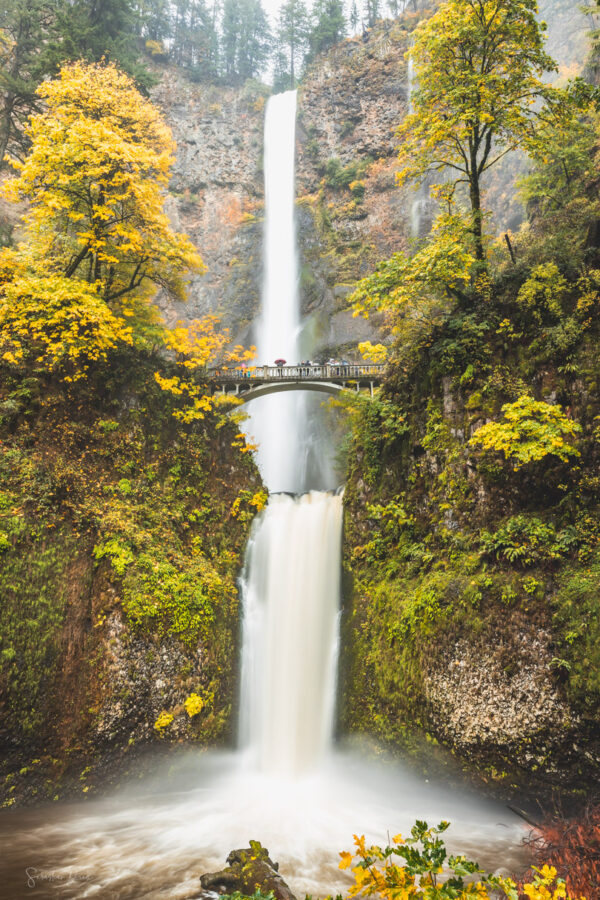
350 213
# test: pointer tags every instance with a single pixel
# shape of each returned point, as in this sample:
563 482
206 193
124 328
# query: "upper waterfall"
280 319
275 421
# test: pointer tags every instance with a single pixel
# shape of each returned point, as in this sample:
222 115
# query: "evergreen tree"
245 39
38 36
25 26
281 72
292 33
354 17
194 38
153 20
329 25
230 32
99 29
372 12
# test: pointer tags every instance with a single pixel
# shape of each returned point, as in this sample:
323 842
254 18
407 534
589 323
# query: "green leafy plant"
541 295
257 895
338 176
528 540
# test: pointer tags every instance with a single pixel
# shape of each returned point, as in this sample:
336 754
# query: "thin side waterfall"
420 210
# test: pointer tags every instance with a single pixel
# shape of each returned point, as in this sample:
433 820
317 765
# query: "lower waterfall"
291 592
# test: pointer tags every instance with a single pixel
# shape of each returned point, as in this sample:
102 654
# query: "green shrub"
527 541
339 177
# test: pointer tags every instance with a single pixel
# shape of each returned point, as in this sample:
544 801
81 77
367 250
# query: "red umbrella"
280 362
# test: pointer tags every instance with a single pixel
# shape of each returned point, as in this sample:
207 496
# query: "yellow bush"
163 722
428 872
193 705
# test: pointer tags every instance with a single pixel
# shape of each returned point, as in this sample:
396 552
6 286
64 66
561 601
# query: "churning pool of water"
152 840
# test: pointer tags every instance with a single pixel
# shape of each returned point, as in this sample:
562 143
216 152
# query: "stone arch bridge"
258 381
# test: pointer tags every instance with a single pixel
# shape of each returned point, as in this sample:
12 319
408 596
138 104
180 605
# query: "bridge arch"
262 390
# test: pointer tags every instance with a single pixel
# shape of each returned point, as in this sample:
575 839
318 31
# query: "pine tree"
194 38
25 27
100 29
38 36
372 12
245 39
292 32
153 20
329 25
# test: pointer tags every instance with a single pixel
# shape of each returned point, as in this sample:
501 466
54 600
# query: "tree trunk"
475 195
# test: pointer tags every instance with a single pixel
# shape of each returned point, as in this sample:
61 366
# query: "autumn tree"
480 94
98 241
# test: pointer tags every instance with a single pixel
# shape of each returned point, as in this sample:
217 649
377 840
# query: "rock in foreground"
247 871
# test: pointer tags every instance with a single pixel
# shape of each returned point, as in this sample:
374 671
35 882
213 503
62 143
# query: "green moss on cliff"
475 561
109 506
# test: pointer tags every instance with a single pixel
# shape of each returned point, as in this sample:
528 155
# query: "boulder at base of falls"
247 871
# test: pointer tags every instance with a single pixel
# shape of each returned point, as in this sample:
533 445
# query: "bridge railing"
274 373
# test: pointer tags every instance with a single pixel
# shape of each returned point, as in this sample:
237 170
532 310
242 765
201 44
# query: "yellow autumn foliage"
96 179
57 324
98 242
194 704
427 872
375 353
164 721
197 346
530 431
